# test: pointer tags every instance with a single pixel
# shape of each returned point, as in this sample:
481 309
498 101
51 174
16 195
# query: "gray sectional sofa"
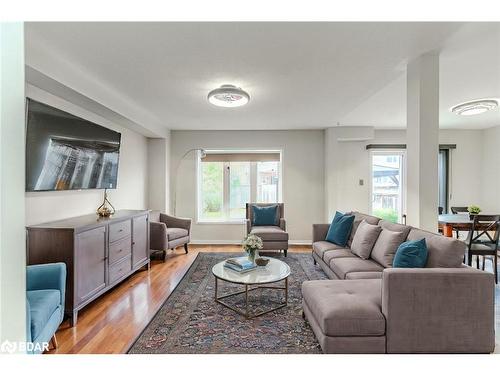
370 307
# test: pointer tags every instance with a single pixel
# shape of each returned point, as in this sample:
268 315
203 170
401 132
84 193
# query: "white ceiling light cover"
475 107
228 96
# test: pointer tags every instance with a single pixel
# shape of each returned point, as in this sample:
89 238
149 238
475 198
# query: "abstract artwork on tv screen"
65 152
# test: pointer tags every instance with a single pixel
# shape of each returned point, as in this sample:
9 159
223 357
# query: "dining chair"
481 241
459 210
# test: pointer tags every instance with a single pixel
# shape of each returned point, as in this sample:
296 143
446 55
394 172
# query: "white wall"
159 174
132 187
490 174
337 177
353 163
12 233
303 182
465 170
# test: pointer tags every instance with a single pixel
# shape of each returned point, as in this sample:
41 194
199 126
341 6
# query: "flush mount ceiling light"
228 96
475 107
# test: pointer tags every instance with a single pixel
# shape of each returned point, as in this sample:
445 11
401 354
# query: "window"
388 185
267 181
212 194
239 188
227 181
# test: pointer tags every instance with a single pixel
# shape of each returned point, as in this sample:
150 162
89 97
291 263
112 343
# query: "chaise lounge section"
370 307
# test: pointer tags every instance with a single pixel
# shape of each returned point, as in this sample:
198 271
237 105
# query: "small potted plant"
473 210
252 244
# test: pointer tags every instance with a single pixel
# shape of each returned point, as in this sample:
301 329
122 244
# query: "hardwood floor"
112 322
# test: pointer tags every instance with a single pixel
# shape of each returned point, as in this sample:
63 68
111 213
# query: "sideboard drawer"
119 230
120 269
120 249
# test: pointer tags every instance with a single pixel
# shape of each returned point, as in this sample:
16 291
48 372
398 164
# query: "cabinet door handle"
133 243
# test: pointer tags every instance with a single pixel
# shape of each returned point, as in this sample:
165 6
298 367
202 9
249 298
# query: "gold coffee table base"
248 288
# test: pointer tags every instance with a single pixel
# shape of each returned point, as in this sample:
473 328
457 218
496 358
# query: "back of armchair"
249 214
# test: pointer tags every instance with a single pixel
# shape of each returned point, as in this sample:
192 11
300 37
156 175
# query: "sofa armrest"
28 321
176 222
283 224
157 236
438 310
320 231
47 276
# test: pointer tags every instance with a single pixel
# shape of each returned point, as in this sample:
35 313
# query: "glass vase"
252 255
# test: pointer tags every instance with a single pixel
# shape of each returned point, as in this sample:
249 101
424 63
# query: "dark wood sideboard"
99 252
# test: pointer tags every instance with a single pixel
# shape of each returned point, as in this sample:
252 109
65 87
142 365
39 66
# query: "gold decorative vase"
106 209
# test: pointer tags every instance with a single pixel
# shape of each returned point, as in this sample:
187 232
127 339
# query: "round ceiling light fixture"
228 96
475 107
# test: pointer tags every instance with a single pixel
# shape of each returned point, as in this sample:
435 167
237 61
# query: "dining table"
450 222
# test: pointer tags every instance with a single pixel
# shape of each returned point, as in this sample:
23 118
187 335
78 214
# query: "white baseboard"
237 242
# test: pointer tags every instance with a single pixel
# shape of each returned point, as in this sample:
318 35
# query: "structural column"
12 216
422 113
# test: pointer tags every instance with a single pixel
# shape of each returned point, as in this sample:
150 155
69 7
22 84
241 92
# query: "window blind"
241 156
403 146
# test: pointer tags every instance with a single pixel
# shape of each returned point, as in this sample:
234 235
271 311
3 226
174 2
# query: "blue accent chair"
46 288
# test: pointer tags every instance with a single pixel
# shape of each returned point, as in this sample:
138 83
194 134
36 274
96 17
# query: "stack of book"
240 264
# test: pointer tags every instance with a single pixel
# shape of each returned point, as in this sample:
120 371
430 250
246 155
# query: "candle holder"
106 209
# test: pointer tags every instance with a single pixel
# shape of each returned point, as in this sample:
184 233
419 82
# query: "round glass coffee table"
274 272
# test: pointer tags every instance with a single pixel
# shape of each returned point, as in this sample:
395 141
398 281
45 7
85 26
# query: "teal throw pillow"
265 215
411 254
340 229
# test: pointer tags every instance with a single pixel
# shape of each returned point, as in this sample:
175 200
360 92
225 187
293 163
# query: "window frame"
447 179
226 183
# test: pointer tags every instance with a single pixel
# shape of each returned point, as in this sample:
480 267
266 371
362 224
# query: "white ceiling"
299 75
469 69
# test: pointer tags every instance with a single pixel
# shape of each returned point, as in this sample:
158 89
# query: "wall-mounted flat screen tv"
66 152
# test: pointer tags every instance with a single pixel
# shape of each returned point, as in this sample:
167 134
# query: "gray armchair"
274 237
168 232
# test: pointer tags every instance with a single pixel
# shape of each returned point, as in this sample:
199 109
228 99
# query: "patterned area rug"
190 321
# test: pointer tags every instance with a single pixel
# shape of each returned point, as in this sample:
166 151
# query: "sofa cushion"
342 266
358 218
364 239
321 247
395 227
337 253
386 246
175 233
340 228
265 215
364 275
443 252
42 304
270 233
346 308
411 254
